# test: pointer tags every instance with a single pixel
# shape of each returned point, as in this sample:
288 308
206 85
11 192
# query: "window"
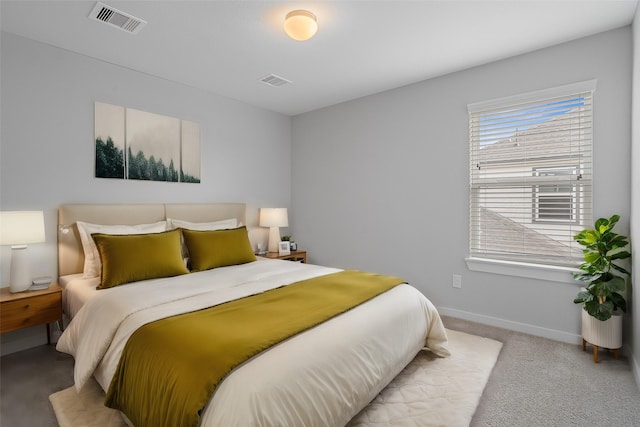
530 175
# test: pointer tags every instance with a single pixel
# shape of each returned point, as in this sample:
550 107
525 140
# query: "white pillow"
92 263
201 226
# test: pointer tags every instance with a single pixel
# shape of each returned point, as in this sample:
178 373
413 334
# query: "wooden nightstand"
30 308
298 256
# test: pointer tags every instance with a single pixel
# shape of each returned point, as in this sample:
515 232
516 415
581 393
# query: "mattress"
322 377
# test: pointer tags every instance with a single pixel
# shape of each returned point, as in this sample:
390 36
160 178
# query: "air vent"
275 81
116 18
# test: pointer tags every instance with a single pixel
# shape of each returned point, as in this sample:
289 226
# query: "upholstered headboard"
70 254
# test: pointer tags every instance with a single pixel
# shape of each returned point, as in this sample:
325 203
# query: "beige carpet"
429 392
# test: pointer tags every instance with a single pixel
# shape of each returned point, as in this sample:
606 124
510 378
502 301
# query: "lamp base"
274 239
19 276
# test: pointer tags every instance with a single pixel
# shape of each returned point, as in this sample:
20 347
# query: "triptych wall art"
134 144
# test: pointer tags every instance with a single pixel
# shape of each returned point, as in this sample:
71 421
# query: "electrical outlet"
457 281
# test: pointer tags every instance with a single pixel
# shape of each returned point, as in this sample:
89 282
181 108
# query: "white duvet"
322 377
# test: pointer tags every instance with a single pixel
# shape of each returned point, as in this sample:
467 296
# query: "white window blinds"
530 175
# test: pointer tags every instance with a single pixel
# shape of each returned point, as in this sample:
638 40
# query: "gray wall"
635 199
381 183
47 148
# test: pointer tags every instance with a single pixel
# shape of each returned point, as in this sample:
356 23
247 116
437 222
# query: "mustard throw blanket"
170 368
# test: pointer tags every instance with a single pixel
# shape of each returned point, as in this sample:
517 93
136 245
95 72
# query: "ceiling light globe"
300 25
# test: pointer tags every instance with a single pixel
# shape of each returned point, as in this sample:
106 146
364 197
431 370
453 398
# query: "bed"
320 377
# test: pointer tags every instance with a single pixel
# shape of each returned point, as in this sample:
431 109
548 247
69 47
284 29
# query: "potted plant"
602 298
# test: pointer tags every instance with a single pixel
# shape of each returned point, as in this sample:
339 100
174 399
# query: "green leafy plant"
285 238
602 295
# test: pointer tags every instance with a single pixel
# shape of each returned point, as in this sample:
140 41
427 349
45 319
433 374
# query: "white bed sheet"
322 377
76 291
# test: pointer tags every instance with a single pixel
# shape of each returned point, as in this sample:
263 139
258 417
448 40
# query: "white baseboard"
513 326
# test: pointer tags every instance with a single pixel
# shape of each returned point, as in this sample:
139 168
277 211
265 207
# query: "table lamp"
274 218
18 229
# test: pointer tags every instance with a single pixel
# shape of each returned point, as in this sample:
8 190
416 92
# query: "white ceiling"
362 47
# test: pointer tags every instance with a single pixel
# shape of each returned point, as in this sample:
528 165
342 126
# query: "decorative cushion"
135 257
218 248
222 224
91 256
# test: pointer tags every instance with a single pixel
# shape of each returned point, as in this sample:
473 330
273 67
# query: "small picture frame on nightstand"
283 248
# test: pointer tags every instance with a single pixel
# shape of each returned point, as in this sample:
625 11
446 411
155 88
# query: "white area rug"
429 392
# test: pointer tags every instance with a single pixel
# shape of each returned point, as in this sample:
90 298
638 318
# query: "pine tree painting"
134 144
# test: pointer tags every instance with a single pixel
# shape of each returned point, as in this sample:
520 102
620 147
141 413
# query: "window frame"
580 195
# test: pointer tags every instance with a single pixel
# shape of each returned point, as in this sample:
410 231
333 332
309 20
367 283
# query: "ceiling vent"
116 18
275 81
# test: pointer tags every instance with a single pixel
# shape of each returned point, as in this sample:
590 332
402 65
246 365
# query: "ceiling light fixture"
300 25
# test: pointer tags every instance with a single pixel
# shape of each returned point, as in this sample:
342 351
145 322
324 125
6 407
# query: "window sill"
521 269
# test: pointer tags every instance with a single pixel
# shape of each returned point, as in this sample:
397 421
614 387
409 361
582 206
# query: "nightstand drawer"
31 311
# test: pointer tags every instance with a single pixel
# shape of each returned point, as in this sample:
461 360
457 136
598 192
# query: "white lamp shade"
300 25
21 227
274 217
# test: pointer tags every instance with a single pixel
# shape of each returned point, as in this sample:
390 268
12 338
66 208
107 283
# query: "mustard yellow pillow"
134 257
218 248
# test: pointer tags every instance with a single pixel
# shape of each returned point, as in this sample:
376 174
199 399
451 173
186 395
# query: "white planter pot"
604 334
